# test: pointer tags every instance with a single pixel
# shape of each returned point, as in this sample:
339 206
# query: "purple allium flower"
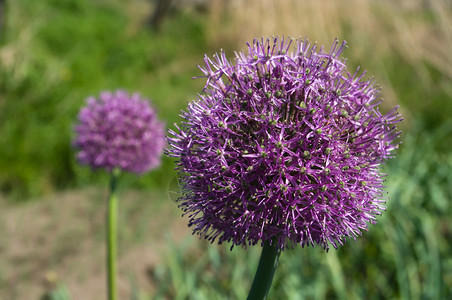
283 146
119 130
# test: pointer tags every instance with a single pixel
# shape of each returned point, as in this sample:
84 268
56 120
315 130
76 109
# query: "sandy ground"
60 240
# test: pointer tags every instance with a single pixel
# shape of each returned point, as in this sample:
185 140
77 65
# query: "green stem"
265 271
111 236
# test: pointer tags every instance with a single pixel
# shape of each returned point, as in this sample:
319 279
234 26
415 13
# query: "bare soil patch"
60 240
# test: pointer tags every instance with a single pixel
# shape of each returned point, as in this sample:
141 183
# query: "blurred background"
56 53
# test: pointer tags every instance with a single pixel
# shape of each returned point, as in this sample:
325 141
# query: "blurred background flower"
119 130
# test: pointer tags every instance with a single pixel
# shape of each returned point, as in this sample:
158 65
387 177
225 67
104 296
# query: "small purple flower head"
284 146
119 130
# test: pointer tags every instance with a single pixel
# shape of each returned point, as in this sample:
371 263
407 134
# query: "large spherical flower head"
119 130
283 146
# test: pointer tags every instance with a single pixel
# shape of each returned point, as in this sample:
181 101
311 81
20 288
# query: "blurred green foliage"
57 53
54 54
58 293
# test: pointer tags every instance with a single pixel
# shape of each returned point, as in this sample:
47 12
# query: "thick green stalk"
111 236
265 271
